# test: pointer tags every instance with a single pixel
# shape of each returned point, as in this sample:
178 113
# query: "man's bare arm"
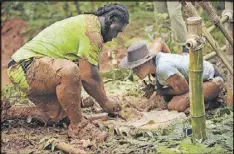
94 86
177 85
159 45
92 81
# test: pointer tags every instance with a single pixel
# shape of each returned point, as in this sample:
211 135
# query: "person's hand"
111 106
179 103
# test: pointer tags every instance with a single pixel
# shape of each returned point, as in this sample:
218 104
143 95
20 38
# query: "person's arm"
92 81
177 85
159 45
93 85
89 49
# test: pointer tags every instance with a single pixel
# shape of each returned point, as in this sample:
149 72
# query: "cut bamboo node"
191 43
194 28
229 14
197 116
195 43
194 20
195 70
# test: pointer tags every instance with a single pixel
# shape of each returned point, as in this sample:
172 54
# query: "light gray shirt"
168 64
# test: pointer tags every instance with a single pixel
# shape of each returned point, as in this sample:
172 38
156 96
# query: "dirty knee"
218 81
70 73
170 106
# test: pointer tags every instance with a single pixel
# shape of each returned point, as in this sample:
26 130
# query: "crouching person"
52 68
172 74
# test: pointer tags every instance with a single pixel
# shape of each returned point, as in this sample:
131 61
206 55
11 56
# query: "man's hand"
111 106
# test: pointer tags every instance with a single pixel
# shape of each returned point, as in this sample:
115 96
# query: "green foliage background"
145 24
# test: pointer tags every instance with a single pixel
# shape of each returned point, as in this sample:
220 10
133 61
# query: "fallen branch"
102 116
61 145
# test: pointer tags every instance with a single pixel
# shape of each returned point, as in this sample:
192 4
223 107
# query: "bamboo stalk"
213 54
197 107
229 52
193 13
223 20
215 19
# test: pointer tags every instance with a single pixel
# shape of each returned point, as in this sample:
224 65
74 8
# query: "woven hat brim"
129 65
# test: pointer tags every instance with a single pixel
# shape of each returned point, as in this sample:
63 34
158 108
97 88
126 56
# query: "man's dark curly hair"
112 10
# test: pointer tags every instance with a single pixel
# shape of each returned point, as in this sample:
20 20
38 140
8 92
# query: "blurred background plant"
145 24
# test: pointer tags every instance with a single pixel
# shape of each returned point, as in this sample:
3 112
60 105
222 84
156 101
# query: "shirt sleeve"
164 71
90 47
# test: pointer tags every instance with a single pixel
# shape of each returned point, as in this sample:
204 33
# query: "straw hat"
137 54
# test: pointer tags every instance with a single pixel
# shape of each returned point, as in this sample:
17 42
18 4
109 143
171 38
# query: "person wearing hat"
171 72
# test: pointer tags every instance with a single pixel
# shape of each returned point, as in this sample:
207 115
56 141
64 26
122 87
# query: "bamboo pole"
215 19
197 107
193 13
223 20
213 54
228 12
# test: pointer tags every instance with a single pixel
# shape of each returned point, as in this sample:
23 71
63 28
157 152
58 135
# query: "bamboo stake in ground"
215 19
228 12
189 8
197 107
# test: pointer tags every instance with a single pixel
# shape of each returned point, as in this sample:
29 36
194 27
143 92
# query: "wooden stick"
223 20
215 19
213 54
193 13
102 116
67 147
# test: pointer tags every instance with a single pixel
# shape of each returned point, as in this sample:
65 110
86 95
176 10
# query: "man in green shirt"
52 68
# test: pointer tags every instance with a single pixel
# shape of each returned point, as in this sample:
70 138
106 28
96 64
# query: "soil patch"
12 39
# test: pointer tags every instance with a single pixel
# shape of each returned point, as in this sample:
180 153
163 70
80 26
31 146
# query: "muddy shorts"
17 76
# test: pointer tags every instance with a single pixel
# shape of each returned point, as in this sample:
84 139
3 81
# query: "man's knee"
212 88
218 81
70 72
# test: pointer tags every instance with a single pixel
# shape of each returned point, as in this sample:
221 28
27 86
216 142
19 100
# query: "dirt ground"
11 40
136 131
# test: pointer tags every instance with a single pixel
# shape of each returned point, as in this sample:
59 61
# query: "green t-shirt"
74 37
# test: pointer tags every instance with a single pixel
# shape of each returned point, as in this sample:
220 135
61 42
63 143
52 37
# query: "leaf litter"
157 131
